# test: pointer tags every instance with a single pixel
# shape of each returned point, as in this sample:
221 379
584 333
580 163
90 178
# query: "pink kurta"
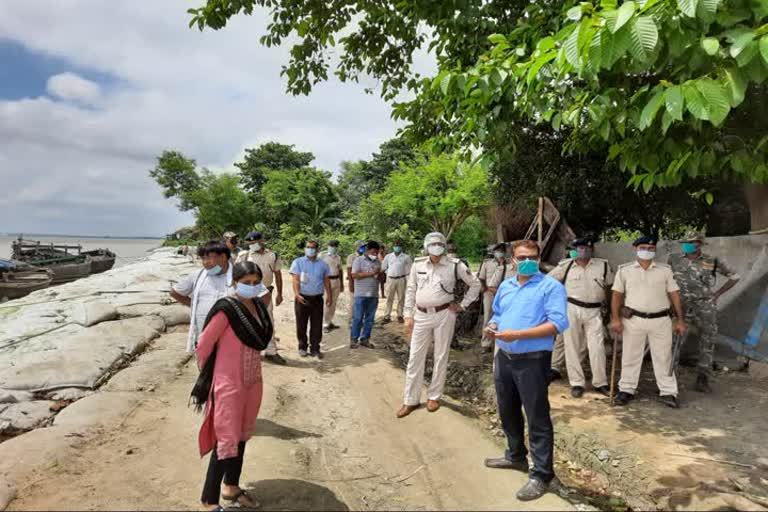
232 408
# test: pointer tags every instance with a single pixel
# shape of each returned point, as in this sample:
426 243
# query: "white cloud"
69 86
208 94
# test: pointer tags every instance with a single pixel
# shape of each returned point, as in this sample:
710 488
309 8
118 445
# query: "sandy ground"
327 439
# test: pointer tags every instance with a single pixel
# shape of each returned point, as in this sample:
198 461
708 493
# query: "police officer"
696 273
430 314
332 258
646 289
231 241
585 279
359 250
271 270
492 273
397 266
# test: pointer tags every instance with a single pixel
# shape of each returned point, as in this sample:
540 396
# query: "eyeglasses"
527 258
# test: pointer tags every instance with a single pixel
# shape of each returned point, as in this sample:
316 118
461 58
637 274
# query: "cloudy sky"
91 91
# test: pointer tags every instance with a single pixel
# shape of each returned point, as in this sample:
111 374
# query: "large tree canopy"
271 156
669 89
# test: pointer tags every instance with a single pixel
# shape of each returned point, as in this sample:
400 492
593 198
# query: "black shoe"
743 367
554 375
504 463
532 490
353 344
318 355
276 359
303 353
327 329
400 320
366 344
604 390
386 320
623 398
577 391
669 401
702 384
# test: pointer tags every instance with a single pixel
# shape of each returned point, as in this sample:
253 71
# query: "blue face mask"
310 251
527 267
215 271
397 249
499 255
689 248
361 250
248 291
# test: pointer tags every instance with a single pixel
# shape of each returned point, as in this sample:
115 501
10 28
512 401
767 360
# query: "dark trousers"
312 313
227 470
522 383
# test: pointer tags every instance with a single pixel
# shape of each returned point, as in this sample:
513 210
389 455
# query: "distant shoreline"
94 237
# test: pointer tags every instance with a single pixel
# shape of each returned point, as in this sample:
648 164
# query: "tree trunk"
757 198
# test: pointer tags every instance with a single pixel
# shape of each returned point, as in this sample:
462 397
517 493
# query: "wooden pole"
541 219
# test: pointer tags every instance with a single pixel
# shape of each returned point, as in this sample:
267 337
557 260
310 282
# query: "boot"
702 384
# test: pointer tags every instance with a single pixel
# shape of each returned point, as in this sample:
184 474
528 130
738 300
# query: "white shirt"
204 291
396 265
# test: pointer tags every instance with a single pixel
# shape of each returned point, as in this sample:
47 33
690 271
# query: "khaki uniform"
334 263
269 263
397 268
493 272
350 283
586 333
646 291
430 287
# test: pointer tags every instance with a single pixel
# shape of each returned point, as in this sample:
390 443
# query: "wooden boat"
16 281
101 260
66 266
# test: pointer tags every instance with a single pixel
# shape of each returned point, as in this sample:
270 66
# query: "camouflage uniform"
696 279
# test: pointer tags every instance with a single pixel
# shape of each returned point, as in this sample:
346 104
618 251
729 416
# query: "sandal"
243 494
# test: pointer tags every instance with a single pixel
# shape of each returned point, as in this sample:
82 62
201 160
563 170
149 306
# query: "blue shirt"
541 299
311 275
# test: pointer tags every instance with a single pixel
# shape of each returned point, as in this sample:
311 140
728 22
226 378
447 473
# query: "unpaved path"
327 439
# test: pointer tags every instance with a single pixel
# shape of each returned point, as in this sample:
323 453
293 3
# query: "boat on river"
66 262
18 279
101 260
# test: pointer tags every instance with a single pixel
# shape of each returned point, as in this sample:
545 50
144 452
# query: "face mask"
499 255
689 248
573 254
583 253
646 255
331 251
373 257
527 267
255 247
310 251
215 271
248 291
435 250
397 249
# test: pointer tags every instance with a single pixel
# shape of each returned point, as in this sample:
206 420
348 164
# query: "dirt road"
327 439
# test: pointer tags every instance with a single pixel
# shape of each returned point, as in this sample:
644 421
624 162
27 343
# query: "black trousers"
312 313
227 470
522 382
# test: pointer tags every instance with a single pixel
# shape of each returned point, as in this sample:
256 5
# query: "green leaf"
695 102
747 54
556 120
445 83
625 12
708 9
736 83
650 110
741 39
674 102
688 7
709 198
571 47
644 35
717 99
666 122
710 45
605 130
497 38
648 183
546 44
764 48
574 13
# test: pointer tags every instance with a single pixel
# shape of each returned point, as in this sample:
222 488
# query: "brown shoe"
433 405
405 410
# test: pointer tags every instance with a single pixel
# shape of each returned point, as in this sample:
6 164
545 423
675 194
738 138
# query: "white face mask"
373 257
331 251
436 250
255 247
646 255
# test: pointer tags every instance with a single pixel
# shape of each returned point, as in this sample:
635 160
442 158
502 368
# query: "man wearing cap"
696 273
271 269
430 315
492 273
643 291
585 279
365 272
397 266
231 241
332 258
359 249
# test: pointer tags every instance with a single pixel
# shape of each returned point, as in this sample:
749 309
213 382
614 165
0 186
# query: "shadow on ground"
268 428
294 495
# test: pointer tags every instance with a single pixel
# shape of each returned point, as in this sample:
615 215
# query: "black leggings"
227 470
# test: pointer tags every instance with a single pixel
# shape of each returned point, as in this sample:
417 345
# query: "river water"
127 251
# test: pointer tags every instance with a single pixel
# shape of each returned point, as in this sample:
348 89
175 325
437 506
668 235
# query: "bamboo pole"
541 219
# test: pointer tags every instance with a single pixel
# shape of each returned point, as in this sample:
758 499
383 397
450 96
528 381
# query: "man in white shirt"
202 289
397 266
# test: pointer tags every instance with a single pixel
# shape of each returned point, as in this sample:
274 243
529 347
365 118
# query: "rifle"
678 340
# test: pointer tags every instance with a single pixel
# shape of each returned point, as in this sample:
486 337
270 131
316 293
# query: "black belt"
659 314
591 305
333 277
395 277
539 354
437 308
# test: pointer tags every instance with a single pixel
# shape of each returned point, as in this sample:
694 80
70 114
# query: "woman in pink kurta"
236 386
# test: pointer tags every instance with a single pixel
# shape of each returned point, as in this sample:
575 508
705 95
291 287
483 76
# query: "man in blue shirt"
528 311
310 280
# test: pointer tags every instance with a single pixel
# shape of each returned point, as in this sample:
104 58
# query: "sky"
92 91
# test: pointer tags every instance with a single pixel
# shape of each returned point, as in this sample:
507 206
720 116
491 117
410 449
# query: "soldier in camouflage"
696 273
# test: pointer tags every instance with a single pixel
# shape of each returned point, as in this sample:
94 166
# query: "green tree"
177 176
669 89
222 205
271 156
303 198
